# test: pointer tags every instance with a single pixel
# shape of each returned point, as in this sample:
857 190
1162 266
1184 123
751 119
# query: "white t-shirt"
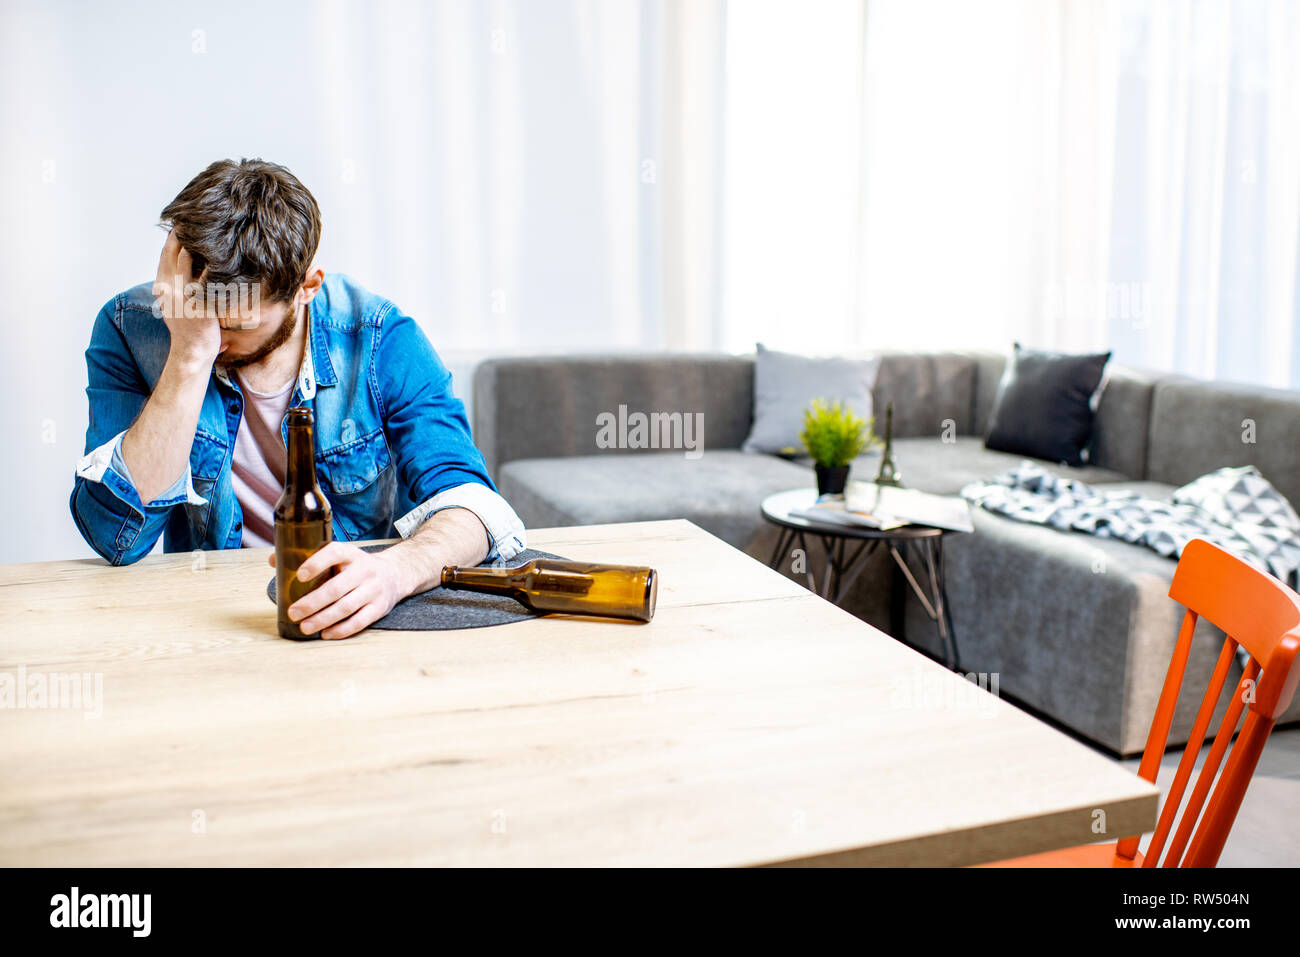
260 460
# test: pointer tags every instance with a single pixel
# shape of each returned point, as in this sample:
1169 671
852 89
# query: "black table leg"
831 573
857 562
942 593
936 601
807 563
934 564
897 604
781 545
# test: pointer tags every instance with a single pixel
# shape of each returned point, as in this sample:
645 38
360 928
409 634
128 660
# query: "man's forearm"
156 448
452 536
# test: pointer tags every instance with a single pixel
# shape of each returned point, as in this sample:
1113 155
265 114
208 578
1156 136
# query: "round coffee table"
848 547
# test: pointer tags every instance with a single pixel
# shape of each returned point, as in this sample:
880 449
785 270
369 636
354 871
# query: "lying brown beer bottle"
575 588
303 522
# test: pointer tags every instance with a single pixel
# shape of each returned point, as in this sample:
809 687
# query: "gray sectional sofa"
1078 628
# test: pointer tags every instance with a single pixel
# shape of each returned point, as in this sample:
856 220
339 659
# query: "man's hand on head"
195 330
156 448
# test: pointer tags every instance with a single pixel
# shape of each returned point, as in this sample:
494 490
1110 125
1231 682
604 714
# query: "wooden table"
750 723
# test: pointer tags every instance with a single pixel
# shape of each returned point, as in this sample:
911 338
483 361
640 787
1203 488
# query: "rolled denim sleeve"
437 462
105 504
182 490
106 465
505 530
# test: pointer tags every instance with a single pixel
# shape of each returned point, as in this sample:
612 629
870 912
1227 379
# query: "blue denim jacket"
392 442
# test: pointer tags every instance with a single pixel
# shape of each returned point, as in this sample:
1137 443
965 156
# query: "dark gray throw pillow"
1044 406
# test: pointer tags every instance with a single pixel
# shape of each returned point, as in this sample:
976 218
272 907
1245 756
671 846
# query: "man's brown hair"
250 221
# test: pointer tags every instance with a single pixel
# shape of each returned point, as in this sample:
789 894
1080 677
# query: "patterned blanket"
1234 508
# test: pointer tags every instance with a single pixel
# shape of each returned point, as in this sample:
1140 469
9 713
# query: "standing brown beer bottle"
576 588
303 522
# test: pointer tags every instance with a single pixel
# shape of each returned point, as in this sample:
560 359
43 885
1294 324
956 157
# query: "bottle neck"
497 580
301 463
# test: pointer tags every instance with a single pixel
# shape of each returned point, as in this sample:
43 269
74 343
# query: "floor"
1267 830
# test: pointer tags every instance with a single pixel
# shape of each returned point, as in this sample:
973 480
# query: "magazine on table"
832 510
911 505
867 505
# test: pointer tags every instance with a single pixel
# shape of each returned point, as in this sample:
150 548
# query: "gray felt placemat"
441 609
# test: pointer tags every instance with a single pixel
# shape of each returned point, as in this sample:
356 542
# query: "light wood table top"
750 723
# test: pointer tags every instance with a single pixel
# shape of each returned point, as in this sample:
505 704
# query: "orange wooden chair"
1258 613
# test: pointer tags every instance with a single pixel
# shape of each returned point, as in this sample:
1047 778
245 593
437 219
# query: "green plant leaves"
834 435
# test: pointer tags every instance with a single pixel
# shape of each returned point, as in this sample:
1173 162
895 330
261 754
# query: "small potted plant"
834 436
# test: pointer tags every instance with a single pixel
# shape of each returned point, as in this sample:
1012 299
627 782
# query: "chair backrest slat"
1224 803
1158 736
1194 742
1209 770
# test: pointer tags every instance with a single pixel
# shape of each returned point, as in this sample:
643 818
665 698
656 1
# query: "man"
188 390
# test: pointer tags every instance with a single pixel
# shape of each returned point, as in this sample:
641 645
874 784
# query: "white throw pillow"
785 385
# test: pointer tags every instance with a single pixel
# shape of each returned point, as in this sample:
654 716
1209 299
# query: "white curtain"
1209 131
1173 221
949 174
792 184
494 166
1078 175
